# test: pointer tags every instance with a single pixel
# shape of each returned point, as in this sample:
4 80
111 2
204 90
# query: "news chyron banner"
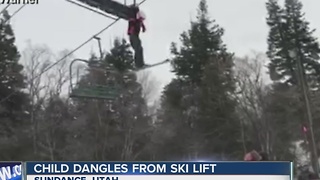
158 170
11 171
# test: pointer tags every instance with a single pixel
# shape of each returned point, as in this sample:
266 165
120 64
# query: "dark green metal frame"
91 92
112 7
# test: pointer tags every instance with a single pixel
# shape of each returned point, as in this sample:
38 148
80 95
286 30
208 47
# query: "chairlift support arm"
100 47
70 70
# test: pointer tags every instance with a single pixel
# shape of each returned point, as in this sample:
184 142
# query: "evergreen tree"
290 39
120 57
199 44
219 123
199 99
304 43
13 100
283 113
290 32
278 41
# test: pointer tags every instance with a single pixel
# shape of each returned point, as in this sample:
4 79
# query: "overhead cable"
15 13
5 8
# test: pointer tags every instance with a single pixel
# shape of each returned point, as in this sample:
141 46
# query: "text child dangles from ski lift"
134 28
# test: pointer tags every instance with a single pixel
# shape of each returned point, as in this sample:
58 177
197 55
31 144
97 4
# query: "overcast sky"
62 25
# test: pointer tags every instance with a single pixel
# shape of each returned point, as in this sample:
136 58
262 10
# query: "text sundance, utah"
125 168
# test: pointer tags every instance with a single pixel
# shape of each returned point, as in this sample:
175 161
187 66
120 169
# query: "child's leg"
138 55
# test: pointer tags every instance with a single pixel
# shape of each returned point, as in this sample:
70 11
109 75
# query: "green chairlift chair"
93 91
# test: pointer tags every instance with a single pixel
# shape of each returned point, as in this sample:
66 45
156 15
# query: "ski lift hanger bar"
92 9
108 6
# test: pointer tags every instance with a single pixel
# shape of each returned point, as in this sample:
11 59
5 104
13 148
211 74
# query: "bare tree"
270 115
58 76
150 86
36 59
56 113
251 89
45 85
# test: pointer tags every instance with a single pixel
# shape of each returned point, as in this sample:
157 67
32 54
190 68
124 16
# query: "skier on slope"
134 28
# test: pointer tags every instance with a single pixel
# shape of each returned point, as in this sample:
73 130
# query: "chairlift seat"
95 92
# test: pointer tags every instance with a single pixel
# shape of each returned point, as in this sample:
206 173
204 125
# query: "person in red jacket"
134 27
255 156
252 156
